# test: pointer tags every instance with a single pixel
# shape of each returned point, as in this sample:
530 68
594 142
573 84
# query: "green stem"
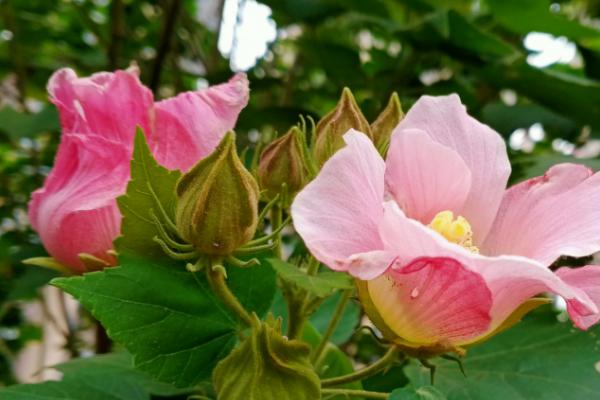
313 266
333 323
275 223
216 279
299 304
388 358
296 315
366 394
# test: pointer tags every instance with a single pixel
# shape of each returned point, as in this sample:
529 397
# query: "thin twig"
16 55
117 33
164 45
71 334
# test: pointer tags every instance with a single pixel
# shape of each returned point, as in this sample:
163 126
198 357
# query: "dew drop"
415 293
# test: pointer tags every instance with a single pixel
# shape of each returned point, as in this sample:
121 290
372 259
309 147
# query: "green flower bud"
332 127
267 365
385 123
284 162
217 207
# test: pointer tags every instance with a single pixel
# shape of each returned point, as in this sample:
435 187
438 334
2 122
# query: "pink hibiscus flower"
447 253
76 211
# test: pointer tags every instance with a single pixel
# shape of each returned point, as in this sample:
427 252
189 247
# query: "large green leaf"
107 377
173 325
149 185
540 358
320 285
176 329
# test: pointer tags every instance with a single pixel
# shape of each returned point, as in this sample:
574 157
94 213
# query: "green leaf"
267 366
17 124
539 358
176 329
506 119
172 323
26 286
150 185
557 91
321 285
463 34
422 393
116 364
535 15
107 377
348 323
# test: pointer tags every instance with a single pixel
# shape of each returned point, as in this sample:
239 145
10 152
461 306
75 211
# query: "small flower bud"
385 123
332 127
217 207
284 161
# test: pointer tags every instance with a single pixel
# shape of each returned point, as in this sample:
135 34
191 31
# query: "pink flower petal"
424 176
511 279
587 279
191 125
446 121
76 212
549 216
338 213
433 301
106 104
85 231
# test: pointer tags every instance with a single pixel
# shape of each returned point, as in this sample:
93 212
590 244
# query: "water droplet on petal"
414 293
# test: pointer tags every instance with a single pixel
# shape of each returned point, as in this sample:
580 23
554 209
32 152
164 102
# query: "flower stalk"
216 280
384 362
333 323
348 393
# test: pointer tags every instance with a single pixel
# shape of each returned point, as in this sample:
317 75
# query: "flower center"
456 230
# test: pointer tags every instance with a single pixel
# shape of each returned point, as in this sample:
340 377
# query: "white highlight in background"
246 41
549 49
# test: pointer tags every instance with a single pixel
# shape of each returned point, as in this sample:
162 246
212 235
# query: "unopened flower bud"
284 162
385 123
332 127
217 208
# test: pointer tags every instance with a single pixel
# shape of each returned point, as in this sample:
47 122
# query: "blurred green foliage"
472 47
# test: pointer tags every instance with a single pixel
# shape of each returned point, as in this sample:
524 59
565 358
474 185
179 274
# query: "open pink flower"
448 254
76 210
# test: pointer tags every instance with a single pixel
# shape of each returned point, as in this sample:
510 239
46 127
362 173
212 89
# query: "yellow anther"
442 221
456 230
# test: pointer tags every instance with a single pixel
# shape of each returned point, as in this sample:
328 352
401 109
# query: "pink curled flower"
447 253
76 211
